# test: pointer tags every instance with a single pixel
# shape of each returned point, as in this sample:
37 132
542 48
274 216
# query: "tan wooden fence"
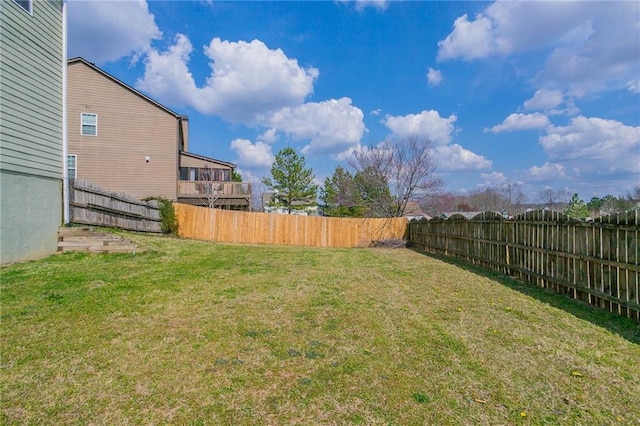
278 229
91 205
595 261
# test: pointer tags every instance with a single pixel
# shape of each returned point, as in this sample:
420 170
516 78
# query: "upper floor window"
27 5
72 166
89 126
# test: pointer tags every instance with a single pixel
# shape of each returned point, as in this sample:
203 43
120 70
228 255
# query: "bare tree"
209 186
440 203
551 198
514 198
487 199
408 167
634 194
257 195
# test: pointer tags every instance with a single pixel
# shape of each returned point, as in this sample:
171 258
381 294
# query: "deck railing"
189 188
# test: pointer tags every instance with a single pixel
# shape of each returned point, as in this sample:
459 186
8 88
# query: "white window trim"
88 113
75 162
30 10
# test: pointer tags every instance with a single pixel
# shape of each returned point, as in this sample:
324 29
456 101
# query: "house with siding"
124 141
32 67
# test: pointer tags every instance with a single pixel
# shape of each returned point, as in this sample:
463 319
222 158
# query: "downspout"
65 151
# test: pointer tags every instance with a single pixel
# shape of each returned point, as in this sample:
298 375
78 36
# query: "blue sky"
545 94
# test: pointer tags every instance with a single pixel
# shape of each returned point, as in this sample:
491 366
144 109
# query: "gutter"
65 142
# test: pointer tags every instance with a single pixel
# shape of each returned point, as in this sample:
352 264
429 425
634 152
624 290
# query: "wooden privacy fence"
279 229
91 205
595 261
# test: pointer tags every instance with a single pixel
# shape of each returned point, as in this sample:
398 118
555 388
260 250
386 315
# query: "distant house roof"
414 211
126 86
209 159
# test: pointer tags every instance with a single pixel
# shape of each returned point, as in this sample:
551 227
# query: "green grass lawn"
200 333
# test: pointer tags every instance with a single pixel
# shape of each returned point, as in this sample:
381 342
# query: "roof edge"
125 85
205 158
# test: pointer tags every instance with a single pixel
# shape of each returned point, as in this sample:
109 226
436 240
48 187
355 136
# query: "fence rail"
91 205
264 228
595 261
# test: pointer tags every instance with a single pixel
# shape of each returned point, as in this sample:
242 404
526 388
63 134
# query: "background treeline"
397 178
509 199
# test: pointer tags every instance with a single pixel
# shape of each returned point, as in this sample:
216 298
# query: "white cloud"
594 145
439 130
601 156
493 179
634 86
546 172
507 27
167 76
269 136
455 158
553 102
248 80
103 31
363 4
544 99
258 86
434 77
427 124
332 125
469 39
521 122
376 111
252 155
590 46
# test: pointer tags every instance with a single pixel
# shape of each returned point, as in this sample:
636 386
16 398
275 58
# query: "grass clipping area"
199 333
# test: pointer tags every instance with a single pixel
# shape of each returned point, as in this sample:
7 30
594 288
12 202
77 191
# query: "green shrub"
169 223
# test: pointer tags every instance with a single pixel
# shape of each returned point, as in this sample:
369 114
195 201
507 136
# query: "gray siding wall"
31 136
31 95
28 225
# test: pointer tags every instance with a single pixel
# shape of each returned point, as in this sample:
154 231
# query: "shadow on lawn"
625 327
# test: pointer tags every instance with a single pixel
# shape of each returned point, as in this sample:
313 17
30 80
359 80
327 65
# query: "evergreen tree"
577 208
373 189
339 195
594 206
291 181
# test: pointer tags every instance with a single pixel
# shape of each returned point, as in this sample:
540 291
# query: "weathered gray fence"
91 205
595 261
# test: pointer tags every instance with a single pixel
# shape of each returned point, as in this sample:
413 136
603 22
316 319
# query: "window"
205 174
89 124
27 5
72 166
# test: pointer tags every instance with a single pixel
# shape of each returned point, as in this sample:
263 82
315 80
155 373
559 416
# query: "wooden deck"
231 195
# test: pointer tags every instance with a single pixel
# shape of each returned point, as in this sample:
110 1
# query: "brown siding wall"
129 129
